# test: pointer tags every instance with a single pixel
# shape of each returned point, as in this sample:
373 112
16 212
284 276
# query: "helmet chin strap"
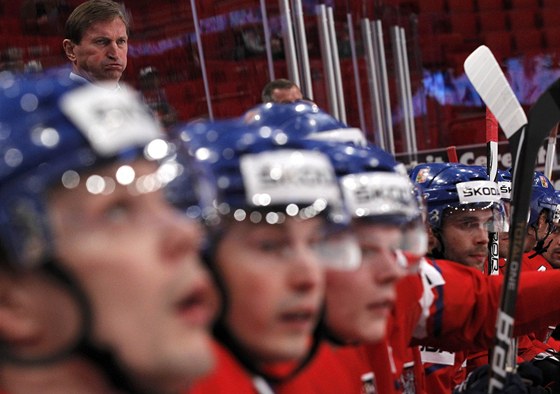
103 359
540 247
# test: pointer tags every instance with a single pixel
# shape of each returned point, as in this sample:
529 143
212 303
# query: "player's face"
137 261
359 302
503 241
286 96
503 245
102 53
465 237
274 282
552 254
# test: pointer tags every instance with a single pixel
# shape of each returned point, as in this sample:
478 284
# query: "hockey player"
538 347
387 220
462 206
281 221
544 216
101 285
552 254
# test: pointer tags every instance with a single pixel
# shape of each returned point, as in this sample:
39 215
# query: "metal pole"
326 55
289 44
417 60
408 91
373 80
356 69
307 86
397 54
377 30
336 67
202 61
266 32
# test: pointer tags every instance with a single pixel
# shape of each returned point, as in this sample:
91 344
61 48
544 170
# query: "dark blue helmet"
373 183
263 174
543 196
454 186
305 119
51 131
377 190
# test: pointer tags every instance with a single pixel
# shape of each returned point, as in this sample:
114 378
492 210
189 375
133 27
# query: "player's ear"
538 229
68 47
16 322
433 241
542 220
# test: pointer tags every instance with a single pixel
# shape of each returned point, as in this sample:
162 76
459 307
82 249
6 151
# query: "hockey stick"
550 152
452 154
525 140
492 166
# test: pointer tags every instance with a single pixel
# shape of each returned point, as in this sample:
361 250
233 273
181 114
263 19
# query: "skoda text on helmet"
305 119
451 186
48 136
377 192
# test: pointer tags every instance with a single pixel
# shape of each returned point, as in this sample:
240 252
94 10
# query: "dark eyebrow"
475 218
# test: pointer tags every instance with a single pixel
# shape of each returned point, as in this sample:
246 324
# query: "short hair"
90 12
281 83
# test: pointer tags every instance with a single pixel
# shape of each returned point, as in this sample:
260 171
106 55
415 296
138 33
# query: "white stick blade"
488 79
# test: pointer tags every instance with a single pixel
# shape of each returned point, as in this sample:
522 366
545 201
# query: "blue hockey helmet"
449 187
267 177
51 131
305 119
543 197
377 191
372 183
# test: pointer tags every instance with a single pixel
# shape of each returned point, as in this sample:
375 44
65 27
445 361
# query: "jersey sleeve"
462 314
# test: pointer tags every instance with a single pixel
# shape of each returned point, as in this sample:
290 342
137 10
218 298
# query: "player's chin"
176 365
290 348
195 356
376 330
476 261
113 75
554 258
